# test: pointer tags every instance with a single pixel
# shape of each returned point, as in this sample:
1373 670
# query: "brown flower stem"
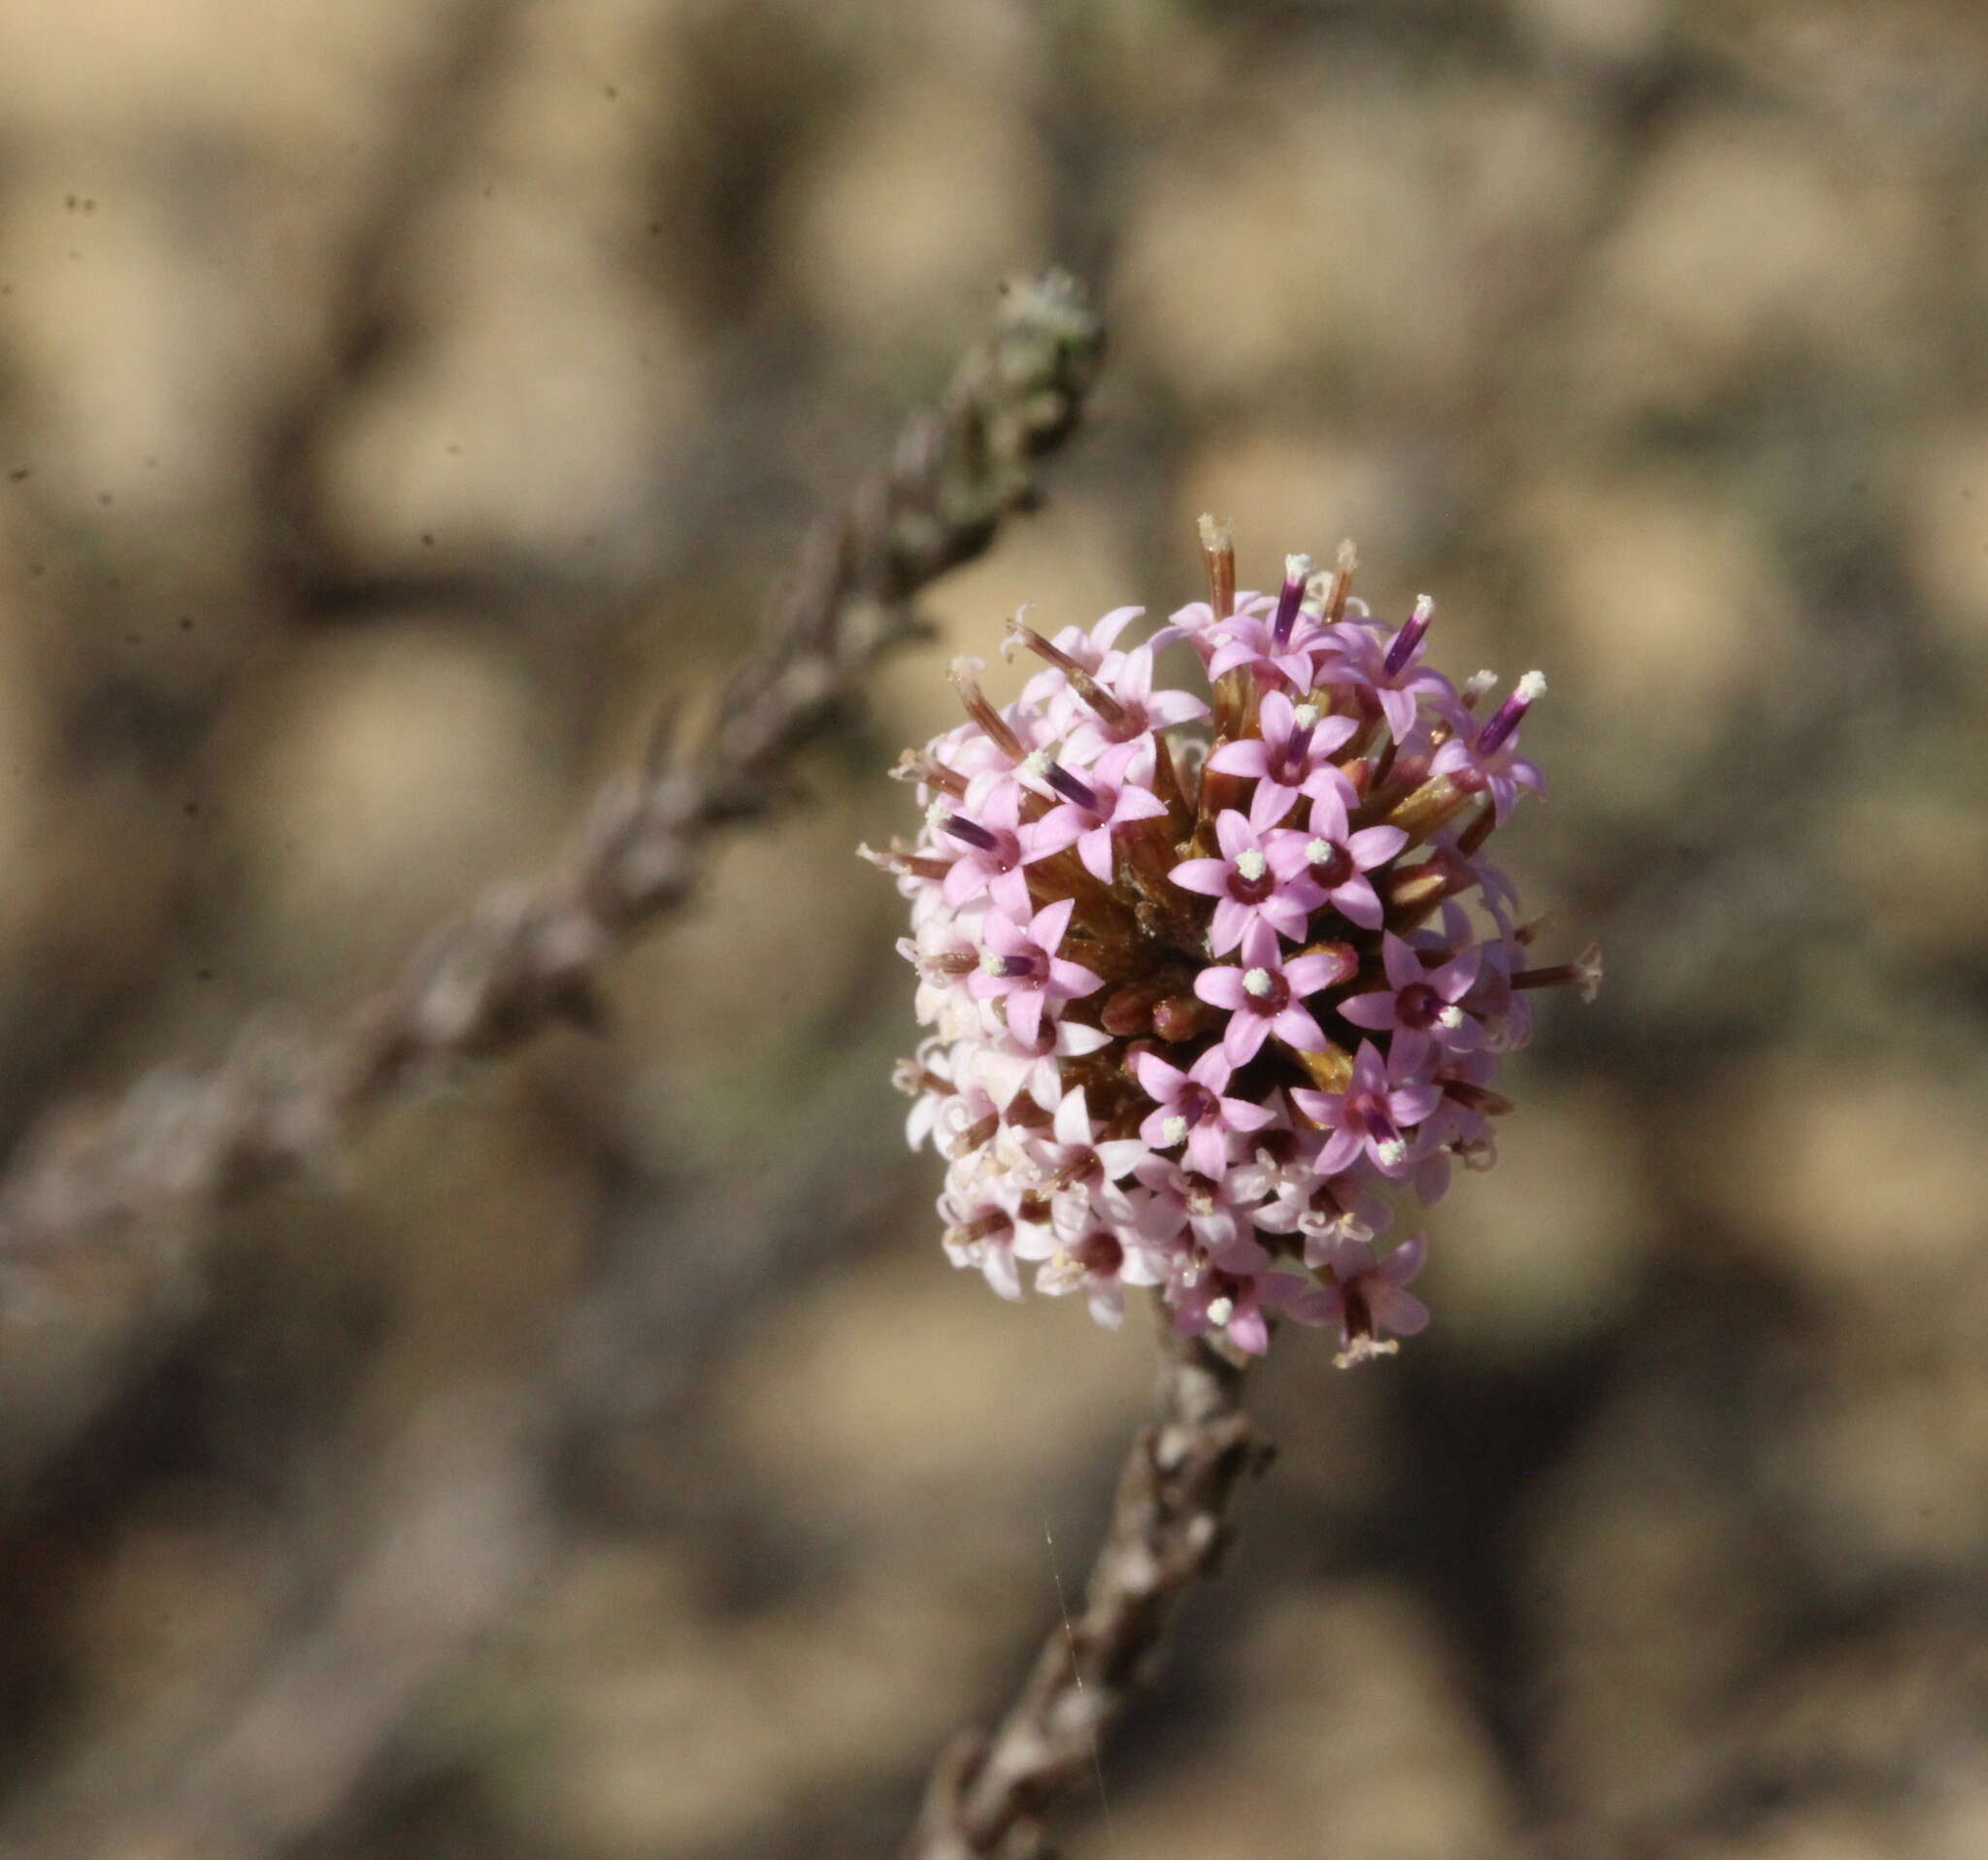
987 1794
180 1144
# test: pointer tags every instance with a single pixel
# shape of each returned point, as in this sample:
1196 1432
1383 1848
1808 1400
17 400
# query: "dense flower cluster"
1214 982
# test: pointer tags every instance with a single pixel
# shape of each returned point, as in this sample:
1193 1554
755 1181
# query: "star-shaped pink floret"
1421 1001
1260 876
1113 792
1382 1103
988 848
1488 762
1193 1111
1337 860
1022 969
1235 1298
1094 650
1265 995
1365 1298
1386 668
1292 751
1075 1164
1126 706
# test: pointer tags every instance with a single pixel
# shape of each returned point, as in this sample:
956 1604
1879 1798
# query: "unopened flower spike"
1219 977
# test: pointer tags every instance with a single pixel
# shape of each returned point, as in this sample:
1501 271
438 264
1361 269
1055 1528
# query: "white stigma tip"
991 964
1220 1310
1393 1152
1425 605
1532 686
1346 559
1306 716
1479 682
1256 982
936 815
1317 851
964 669
1297 568
1251 864
1174 1131
1035 765
1451 1017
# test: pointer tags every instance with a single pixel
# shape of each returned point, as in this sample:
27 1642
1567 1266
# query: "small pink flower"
1188 1215
1365 1299
1260 876
1264 995
1488 762
1073 1162
1022 969
1113 792
988 852
1296 740
1385 670
1276 647
1193 1111
1127 707
1098 1261
1421 1001
1235 1299
1336 859
1380 1103
1094 650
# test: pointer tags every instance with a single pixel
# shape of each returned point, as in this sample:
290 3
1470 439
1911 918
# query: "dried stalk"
181 1143
987 1794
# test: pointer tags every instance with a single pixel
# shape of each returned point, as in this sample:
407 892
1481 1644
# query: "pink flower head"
1266 994
1193 1111
1421 1001
1022 969
1113 793
1296 740
1144 1112
1260 877
1337 860
1365 1299
1488 762
1382 1103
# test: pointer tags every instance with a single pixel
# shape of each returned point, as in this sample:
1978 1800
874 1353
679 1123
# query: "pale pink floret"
988 850
1486 760
1365 1298
1235 1298
1248 641
1193 1111
1265 994
1140 708
1421 1001
1098 1261
1022 970
1093 649
1073 1163
1385 667
1113 793
1382 1105
1186 1214
1338 860
1288 757
1260 876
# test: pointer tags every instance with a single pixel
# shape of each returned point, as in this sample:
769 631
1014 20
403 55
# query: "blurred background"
398 402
